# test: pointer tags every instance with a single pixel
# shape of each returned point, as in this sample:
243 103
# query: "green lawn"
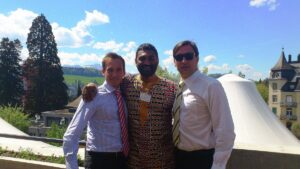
69 79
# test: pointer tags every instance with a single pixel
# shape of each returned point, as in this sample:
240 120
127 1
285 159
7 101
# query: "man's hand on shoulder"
89 91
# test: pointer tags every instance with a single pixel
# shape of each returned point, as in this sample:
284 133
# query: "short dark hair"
184 43
146 46
112 55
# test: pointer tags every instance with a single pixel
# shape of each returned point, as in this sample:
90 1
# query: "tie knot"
117 92
181 84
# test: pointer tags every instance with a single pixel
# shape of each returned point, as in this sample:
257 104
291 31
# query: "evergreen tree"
242 75
45 87
11 83
79 85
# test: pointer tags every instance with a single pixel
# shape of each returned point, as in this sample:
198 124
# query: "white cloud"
128 53
16 24
131 45
92 18
169 60
258 75
79 59
225 67
244 68
209 58
250 72
109 45
130 58
271 4
79 35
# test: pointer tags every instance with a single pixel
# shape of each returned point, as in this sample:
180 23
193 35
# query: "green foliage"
56 131
242 75
16 117
205 70
263 90
296 129
29 155
11 84
163 72
71 79
45 87
215 75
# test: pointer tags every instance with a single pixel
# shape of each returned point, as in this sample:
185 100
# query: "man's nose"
147 61
114 73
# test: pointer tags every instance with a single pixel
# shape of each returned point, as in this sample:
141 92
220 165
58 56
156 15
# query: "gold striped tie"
175 112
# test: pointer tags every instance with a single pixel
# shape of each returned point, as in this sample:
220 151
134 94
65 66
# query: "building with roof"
60 117
284 89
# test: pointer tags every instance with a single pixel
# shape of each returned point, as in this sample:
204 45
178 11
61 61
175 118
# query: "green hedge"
296 129
16 117
29 155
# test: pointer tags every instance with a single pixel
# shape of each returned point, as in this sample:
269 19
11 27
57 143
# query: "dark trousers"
105 160
199 159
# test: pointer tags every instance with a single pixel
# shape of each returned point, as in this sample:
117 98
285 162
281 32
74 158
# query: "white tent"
256 127
37 147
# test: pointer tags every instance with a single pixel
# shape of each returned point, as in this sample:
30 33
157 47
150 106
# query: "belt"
196 152
107 154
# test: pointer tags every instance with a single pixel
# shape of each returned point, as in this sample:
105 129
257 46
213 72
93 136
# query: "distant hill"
86 71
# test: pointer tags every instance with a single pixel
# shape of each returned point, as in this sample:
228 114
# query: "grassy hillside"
70 79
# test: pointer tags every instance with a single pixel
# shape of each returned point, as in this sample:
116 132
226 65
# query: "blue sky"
242 35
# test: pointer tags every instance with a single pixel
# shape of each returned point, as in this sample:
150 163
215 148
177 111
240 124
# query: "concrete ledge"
253 159
16 163
240 159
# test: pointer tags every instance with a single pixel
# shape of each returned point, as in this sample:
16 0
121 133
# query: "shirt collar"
190 80
108 87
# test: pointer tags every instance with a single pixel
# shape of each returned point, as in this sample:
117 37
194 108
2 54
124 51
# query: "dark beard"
145 72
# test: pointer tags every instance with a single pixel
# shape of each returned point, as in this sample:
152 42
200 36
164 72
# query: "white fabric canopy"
256 127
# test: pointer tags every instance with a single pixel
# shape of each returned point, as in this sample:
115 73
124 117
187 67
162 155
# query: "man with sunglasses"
203 130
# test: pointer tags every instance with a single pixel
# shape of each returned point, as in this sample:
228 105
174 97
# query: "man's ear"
102 71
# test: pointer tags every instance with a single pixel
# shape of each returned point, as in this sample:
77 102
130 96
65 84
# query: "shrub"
296 129
56 131
29 155
16 117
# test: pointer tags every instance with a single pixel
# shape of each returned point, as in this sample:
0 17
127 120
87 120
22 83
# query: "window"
274 86
274 98
276 75
289 112
289 99
274 110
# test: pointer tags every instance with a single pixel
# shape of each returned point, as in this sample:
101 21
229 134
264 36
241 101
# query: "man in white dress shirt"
205 133
104 145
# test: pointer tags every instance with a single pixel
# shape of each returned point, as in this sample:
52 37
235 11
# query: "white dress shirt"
101 117
205 118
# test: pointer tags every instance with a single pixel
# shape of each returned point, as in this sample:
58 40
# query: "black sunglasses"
187 56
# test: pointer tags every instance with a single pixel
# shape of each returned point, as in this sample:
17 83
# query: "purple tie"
124 131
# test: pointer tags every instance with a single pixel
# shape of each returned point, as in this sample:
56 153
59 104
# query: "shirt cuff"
215 166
